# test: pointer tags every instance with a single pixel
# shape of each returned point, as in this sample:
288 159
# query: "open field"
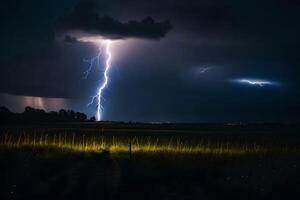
81 161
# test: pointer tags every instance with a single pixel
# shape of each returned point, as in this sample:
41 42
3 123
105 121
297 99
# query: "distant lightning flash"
203 70
92 62
260 83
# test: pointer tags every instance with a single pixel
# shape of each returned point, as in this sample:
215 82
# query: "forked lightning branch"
95 61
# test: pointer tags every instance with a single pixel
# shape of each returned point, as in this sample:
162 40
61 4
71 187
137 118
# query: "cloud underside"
84 18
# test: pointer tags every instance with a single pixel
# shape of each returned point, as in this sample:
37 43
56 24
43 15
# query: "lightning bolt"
260 83
92 62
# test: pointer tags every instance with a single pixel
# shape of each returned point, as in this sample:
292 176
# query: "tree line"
32 115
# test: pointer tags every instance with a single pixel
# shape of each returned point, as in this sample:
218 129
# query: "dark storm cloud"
85 17
272 21
70 39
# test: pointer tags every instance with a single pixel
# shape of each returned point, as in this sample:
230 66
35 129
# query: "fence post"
130 152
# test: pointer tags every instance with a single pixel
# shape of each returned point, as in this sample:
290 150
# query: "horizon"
93 119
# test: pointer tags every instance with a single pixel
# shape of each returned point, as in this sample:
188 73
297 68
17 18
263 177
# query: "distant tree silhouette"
80 116
93 119
29 109
62 113
71 114
3 109
40 111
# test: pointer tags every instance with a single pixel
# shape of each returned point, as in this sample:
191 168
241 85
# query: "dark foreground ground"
42 174
50 174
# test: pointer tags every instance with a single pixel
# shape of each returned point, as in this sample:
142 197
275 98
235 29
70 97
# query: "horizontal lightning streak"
260 83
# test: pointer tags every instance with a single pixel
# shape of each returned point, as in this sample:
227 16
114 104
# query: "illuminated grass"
148 145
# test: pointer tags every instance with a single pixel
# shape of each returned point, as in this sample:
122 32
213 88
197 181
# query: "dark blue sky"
157 71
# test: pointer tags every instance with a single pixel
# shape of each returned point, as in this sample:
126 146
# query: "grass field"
119 141
139 144
84 162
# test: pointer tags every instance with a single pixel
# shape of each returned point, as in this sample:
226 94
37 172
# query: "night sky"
172 61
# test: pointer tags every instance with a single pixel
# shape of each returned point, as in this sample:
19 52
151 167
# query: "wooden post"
130 153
